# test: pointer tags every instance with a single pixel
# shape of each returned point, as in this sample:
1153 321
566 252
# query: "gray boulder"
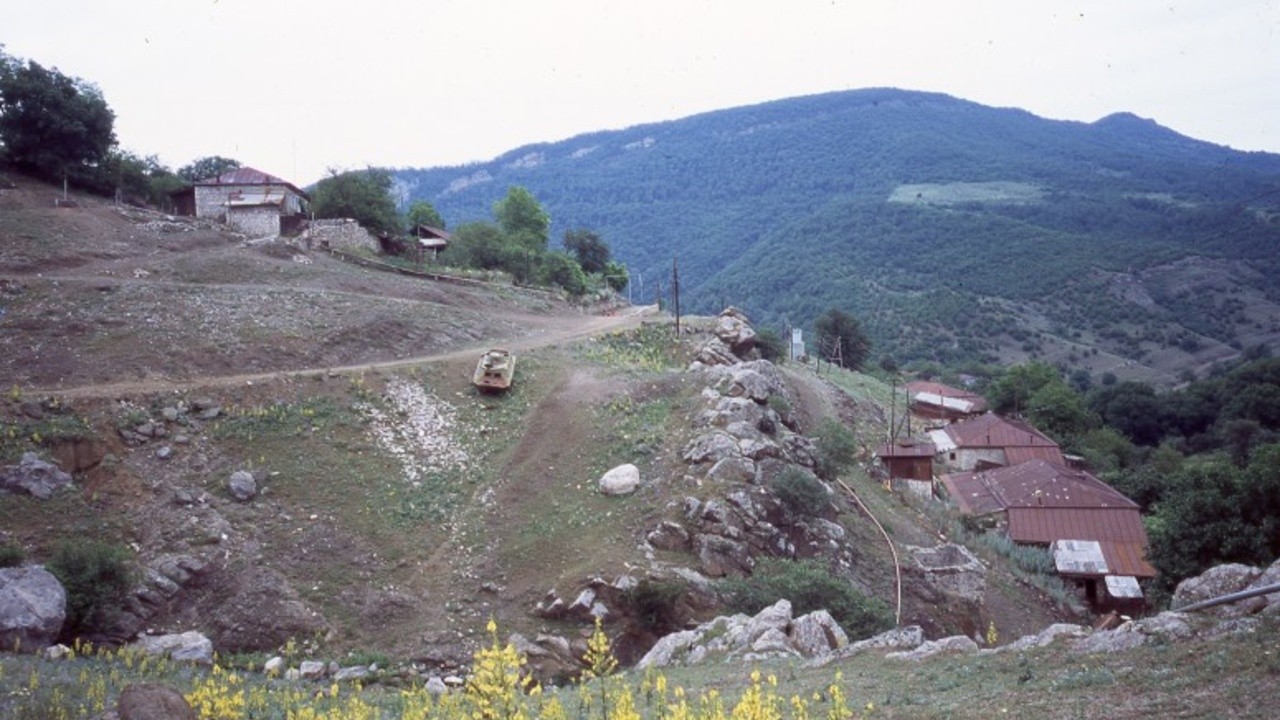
733 328
953 644
817 634
190 646
621 480
33 606
33 476
241 485
1218 581
153 701
710 447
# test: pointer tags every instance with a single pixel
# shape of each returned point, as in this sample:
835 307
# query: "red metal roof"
248 176
1118 530
908 447
1019 440
1032 484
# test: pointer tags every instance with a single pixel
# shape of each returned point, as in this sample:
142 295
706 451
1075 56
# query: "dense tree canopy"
523 219
364 195
207 167
422 212
841 338
591 251
52 125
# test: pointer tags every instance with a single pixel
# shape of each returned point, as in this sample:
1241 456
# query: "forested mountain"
957 232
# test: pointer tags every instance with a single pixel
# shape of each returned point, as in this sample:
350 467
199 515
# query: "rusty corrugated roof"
1036 483
249 176
1119 532
1012 436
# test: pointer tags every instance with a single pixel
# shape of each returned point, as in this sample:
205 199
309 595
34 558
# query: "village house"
429 240
251 201
1094 533
935 401
990 440
909 464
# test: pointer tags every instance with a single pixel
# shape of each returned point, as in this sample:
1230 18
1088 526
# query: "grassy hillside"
940 222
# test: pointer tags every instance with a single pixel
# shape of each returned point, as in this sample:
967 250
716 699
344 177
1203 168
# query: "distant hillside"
958 232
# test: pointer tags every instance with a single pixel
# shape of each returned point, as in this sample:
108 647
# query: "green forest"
958 233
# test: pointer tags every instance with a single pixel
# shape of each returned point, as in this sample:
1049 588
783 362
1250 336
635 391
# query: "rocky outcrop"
956 644
33 476
1224 580
771 633
190 646
33 606
733 328
551 658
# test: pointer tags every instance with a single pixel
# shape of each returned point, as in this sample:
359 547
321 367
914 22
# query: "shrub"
655 605
97 577
809 585
837 448
801 492
11 555
771 345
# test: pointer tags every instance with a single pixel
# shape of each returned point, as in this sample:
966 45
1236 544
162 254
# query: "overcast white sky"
294 88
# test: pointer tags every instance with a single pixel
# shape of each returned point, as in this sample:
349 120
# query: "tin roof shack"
1065 509
255 203
909 463
989 440
429 240
935 401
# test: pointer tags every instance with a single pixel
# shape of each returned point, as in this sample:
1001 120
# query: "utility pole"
675 292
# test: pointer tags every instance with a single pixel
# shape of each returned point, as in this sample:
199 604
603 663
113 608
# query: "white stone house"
253 202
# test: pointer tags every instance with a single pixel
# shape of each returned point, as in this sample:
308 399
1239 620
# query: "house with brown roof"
990 440
1094 532
935 401
253 202
909 464
429 240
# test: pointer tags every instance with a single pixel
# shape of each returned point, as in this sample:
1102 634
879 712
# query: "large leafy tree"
207 167
422 212
837 330
591 251
364 195
52 125
523 219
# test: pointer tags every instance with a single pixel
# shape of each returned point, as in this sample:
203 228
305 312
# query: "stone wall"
211 201
340 234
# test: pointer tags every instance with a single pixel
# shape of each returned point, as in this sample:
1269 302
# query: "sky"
300 88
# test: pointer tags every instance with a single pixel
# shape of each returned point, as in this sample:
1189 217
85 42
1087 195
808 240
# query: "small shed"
429 240
908 458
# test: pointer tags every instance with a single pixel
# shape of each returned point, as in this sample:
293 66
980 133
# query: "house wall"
967 458
256 221
211 201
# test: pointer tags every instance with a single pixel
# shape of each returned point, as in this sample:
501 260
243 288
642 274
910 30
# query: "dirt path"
551 332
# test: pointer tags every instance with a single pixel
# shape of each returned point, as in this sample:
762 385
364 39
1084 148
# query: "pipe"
1231 597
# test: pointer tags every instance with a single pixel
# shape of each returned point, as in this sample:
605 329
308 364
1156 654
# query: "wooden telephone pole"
675 292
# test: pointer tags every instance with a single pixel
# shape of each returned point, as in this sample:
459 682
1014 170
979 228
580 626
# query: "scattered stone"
274 666
242 486
165 452
351 674
33 606
436 686
34 477
953 644
190 646
169 413
56 652
311 669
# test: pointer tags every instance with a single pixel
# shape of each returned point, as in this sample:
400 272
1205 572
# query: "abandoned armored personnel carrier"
495 371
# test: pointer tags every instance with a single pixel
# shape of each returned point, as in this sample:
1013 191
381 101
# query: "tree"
422 212
1133 409
838 329
206 168
52 125
364 195
479 245
523 219
585 245
560 269
616 276
1011 393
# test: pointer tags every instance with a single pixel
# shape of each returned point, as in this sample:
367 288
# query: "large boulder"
33 476
1216 582
621 480
33 606
153 701
733 328
241 485
254 609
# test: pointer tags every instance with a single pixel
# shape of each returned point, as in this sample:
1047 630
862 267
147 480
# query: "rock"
56 652
720 556
153 701
274 666
710 447
733 328
253 610
165 452
32 409
749 384
1045 637
775 617
352 673
953 644
664 652
817 633
241 485
190 646
1217 581
1125 637
436 686
952 570
773 641
33 476
33 606
169 413
1168 625
733 469
669 536
621 480
311 669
